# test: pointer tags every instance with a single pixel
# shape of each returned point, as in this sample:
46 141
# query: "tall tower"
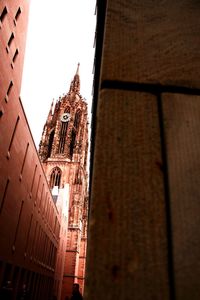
63 152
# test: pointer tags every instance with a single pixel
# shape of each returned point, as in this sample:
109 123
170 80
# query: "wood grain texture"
127 252
182 130
152 42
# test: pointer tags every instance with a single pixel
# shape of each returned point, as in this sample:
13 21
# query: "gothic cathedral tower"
63 152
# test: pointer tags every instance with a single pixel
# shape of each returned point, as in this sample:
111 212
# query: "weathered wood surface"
148 46
182 130
152 41
127 256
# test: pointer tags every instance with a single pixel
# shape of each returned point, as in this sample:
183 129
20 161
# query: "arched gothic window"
63 132
55 177
51 136
77 120
72 144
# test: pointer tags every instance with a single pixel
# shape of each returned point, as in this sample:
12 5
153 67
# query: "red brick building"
63 152
29 219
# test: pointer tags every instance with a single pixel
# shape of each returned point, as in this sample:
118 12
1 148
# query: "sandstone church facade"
63 152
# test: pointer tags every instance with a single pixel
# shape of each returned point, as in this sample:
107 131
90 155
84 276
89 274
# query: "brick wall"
29 220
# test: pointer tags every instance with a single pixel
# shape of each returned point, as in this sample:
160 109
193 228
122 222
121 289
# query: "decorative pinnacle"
51 108
77 71
75 84
52 104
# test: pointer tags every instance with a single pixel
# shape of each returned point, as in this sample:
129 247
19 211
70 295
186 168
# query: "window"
8 91
36 196
12 137
72 144
18 13
75 131
28 235
51 136
23 163
4 195
33 180
63 132
34 238
1 112
41 197
18 223
43 208
15 55
10 39
3 14
9 88
55 178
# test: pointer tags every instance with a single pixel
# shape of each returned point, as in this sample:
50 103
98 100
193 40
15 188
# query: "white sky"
60 34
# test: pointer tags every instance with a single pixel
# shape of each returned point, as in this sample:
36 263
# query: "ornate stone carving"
70 159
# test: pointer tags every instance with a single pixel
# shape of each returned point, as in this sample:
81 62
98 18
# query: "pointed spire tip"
77 71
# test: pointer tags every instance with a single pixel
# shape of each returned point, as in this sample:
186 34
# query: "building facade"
63 152
29 218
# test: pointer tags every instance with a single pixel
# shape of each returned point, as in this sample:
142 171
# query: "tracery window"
51 136
72 144
63 132
77 120
55 177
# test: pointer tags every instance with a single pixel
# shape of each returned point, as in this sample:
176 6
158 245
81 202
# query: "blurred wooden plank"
182 130
127 255
152 42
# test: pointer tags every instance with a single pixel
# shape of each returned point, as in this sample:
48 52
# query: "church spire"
75 84
77 71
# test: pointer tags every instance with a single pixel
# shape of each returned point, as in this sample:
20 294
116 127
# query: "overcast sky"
60 34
